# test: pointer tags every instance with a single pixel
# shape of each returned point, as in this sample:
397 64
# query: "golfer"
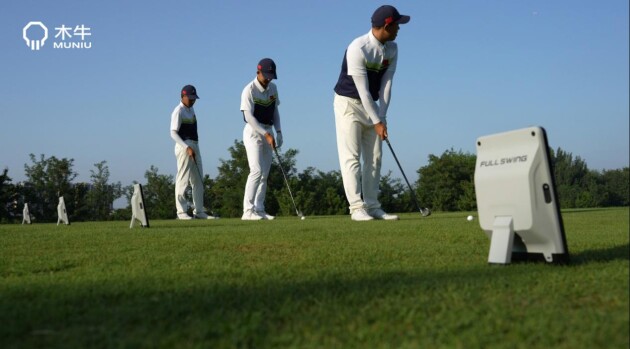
366 77
189 166
259 104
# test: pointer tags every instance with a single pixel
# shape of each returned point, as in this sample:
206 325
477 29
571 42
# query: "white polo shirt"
261 102
184 122
366 56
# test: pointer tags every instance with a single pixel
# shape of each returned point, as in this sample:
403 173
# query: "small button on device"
547 193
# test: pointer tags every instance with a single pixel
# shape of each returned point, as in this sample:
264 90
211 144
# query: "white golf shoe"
266 215
380 214
184 217
251 215
204 215
361 214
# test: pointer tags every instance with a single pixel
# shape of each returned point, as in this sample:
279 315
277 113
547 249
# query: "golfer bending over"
366 77
259 104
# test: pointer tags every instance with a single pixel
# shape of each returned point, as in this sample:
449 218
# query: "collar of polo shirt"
259 86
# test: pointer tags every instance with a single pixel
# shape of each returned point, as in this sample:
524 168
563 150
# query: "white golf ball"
303 218
469 218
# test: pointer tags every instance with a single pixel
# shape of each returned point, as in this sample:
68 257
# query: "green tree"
446 183
77 203
208 195
467 200
576 185
228 189
334 196
102 194
394 196
159 195
8 197
616 185
48 179
122 214
593 191
316 193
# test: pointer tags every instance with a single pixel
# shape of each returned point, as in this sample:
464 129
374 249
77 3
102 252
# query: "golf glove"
278 139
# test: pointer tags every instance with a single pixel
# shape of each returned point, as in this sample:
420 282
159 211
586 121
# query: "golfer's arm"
385 94
361 82
251 120
178 139
276 121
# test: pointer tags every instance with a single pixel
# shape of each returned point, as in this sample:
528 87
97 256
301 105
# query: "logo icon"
35 45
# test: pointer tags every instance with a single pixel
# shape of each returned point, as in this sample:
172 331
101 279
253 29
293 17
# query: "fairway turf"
325 282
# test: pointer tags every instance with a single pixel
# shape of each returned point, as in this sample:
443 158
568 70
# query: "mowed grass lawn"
325 282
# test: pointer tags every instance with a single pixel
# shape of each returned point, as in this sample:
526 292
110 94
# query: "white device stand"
26 215
516 199
137 207
502 240
61 212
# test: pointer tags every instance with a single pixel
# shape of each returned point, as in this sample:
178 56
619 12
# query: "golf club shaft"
286 180
413 194
198 169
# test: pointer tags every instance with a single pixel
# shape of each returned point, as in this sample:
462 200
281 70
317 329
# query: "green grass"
325 282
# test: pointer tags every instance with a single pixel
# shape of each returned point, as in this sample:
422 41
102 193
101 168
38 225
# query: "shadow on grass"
610 254
166 311
234 311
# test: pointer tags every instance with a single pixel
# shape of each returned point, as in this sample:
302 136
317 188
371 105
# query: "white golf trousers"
259 157
188 173
357 138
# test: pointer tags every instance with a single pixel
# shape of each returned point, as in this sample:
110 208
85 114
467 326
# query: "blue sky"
466 69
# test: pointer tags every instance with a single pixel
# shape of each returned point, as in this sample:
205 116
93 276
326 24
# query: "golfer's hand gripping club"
270 140
381 130
191 152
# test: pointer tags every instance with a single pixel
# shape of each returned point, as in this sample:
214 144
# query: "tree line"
446 183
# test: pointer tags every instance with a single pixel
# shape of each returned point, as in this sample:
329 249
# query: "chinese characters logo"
66 37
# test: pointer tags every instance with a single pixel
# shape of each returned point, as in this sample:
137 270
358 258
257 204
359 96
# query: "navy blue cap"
268 68
190 91
387 14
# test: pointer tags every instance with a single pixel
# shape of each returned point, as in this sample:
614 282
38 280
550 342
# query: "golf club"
423 211
201 177
198 169
298 212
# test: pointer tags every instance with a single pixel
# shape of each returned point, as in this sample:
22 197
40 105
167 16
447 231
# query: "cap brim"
193 97
403 19
270 76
